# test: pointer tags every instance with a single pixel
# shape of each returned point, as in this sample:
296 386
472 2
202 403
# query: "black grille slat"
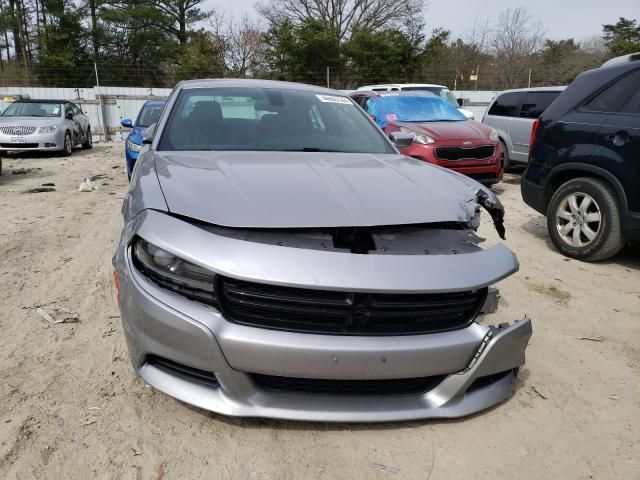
345 313
184 371
460 153
19 145
402 386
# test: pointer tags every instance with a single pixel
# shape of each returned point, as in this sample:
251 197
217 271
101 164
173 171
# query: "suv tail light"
534 129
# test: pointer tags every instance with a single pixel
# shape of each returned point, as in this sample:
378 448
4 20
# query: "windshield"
409 108
149 115
32 109
442 92
269 119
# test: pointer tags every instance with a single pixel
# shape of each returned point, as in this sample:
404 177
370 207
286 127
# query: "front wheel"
584 221
88 140
504 156
67 148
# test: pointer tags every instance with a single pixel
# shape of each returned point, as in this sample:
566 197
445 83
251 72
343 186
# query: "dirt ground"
71 408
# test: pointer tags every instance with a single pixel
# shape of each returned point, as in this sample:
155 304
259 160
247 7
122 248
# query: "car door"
73 122
83 120
618 144
503 109
533 104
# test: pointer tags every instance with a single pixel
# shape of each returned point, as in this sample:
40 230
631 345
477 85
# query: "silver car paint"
278 190
515 132
76 126
171 326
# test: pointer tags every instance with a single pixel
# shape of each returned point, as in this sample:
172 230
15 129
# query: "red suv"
442 135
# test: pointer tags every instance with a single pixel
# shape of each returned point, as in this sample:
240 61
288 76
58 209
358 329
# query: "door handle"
619 138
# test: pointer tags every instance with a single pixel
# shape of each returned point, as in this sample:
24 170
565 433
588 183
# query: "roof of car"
632 57
558 88
44 100
251 83
401 85
390 93
155 102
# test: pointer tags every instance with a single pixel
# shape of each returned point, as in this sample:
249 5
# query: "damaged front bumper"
191 352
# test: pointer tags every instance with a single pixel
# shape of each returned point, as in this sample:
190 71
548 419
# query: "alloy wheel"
578 219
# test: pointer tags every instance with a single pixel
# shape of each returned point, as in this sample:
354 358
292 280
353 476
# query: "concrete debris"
58 315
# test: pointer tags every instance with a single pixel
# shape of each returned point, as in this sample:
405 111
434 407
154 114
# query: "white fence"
117 103
125 102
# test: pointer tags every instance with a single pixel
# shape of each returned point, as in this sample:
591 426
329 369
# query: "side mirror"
401 139
149 134
69 115
460 102
126 123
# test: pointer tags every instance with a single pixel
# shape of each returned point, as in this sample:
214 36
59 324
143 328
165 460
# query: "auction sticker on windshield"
334 99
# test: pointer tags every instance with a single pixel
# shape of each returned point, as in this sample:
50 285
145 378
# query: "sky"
560 18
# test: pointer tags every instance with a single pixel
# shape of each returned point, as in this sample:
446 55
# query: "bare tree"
244 46
344 15
515 42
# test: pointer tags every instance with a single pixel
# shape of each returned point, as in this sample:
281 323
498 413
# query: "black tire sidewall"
88 140
505 161
595 191
70 143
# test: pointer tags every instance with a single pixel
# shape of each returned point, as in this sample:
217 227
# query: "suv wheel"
504 156
583 220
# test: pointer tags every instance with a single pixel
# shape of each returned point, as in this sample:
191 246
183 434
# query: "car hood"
307 190
30 121
464 130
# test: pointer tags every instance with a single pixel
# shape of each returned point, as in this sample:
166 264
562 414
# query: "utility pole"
101 118
328 77
529 78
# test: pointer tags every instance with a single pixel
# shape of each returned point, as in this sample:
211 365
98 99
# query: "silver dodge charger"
280 259
58 125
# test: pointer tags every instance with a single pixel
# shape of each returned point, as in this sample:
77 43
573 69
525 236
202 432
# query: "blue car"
149 114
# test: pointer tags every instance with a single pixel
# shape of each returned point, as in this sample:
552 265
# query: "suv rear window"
615 97
506 105
535 103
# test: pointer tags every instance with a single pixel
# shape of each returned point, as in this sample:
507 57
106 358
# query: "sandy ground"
70 406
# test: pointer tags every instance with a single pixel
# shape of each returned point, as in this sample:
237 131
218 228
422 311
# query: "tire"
504 156
67 148
88 140
583 220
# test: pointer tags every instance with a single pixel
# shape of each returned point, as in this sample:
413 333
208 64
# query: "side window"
369 106
360 100
615 97
535 103
633 104
76 109
68 109
506 105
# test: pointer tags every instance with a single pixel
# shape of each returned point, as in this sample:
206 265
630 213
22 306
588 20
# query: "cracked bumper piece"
191 352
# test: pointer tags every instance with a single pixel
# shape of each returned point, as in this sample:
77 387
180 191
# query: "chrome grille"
17 129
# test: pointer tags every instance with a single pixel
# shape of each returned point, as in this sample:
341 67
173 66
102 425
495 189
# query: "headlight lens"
493 136
172 272
134 147
48 129
418 137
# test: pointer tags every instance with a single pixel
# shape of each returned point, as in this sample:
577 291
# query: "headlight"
493 136
134 147
48 129
172 272
418 137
